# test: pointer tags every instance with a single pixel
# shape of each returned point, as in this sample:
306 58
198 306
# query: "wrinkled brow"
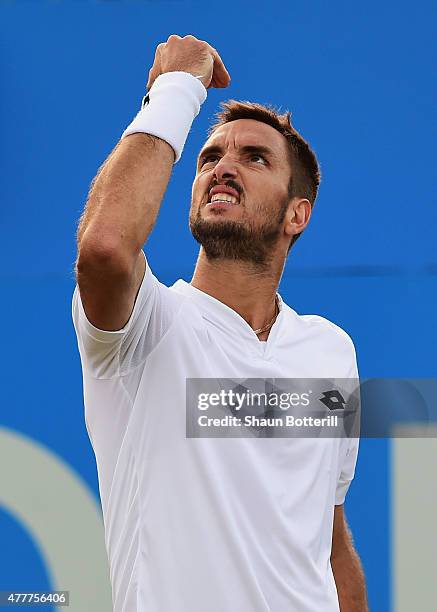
254 149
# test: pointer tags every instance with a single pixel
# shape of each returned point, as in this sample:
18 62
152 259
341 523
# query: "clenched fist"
189 54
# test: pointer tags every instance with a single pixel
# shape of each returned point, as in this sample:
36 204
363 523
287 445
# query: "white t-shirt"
208 524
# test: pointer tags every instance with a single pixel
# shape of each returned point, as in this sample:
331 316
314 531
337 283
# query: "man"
207 524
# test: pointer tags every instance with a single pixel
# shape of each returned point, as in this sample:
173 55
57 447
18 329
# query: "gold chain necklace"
269 325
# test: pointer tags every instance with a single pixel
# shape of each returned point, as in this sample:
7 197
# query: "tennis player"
208 524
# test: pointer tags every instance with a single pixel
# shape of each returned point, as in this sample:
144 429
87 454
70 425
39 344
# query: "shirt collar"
219 313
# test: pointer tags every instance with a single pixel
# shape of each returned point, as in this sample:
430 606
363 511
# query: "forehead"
242 132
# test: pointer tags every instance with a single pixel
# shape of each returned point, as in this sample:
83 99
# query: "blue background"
360 82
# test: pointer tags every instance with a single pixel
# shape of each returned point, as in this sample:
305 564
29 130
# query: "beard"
237 240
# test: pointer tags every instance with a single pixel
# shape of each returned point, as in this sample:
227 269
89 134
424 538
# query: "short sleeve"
107 354
347 471
350 445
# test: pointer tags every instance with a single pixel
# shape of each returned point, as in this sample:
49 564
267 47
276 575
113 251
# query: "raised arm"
126 194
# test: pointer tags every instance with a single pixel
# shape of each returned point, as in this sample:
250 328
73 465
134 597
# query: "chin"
221 213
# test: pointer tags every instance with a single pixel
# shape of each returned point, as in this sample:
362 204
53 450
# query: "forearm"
125 196
349 579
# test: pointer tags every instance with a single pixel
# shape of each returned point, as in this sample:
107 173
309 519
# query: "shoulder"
326 331
325 345
327 327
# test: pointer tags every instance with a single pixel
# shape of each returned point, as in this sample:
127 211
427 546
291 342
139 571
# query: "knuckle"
200 43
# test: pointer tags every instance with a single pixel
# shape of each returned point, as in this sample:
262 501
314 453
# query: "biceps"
108 293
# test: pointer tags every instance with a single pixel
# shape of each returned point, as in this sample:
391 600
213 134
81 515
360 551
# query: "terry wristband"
174 101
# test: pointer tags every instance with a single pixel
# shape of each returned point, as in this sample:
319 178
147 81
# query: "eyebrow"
254 149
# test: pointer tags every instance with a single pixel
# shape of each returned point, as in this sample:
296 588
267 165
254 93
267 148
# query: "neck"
244 287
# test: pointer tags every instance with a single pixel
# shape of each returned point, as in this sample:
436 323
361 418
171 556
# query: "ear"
298 216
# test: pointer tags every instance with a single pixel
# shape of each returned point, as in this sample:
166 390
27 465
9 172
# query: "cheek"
267 203
264 196
200 185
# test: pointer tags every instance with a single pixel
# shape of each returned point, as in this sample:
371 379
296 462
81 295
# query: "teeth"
224 196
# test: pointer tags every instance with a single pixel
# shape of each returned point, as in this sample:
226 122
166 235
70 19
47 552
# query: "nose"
225 168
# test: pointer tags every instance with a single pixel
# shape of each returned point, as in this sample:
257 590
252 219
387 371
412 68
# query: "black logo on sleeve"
333 400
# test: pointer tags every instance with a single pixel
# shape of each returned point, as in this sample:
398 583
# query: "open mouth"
222 200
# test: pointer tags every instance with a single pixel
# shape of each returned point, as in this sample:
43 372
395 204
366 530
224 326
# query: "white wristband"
174 101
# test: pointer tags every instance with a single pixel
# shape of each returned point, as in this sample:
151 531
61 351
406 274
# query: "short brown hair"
305 171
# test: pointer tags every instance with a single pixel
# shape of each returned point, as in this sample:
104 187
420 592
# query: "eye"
260 157
207 158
